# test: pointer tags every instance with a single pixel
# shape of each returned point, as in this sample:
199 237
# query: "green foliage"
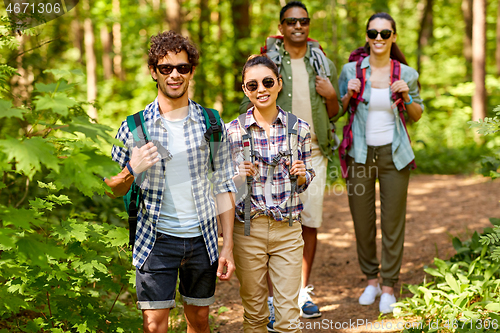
61 268
489 126
462 291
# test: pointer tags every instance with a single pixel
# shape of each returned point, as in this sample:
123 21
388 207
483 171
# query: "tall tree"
90 59
467 49
425 33
117 42
479 59
203 32
497 53
76 28
240 12
174 17
107 64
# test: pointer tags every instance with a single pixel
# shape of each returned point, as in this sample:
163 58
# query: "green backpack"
135 122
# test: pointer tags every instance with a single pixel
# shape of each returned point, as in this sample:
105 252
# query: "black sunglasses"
253 85
304 21
385 34
181 69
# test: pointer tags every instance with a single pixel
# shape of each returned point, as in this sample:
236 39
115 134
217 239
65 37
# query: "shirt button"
289 78
288 62
289 95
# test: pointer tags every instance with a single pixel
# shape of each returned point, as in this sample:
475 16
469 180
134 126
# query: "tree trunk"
467 13
335 56
497 53
425 33
117 42
76 28
90 59
478 59
221 69
240 12
203 31
107 64
174 18
22 84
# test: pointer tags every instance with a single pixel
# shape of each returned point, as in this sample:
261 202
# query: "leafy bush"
61 268
463 292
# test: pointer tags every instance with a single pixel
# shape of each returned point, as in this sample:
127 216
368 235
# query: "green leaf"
59 103
452 283
51 87
91 130
49 186
495 307
19 217
441 265
457 244
30 154
81 328
7 111
36 252
433 272
63 73
117 237
222 309
495 221
7 240
60 200
39 204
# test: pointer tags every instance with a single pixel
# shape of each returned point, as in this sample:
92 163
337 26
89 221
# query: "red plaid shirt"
265 150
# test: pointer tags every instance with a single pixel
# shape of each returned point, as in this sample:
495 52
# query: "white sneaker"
369 295
386 301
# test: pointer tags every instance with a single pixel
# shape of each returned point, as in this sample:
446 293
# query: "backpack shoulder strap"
358 97
293 145
319 61
139 131
398 100
246 138
213 133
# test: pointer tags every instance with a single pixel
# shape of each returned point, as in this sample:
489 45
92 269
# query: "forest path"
439 208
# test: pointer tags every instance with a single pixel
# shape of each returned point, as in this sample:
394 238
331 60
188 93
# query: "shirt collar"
282 51
365 63
250 119
192 110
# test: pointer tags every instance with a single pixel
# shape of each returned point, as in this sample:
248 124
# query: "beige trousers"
275 247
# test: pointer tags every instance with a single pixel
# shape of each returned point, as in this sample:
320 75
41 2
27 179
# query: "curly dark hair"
171 41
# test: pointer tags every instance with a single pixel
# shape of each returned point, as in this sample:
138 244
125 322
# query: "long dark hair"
396 53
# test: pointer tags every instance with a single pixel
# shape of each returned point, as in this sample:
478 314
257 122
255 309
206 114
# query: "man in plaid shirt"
177 225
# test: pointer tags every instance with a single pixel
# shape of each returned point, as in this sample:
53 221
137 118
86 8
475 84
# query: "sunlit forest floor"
439 208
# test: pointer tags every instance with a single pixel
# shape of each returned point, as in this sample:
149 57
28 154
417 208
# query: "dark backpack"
135 122
347 139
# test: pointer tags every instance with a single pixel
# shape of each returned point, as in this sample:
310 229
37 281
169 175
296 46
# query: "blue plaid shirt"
266 149
153 182
402 154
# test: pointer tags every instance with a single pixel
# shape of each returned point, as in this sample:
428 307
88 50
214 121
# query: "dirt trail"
439 208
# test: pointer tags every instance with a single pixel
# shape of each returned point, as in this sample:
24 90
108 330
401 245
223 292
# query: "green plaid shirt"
402 153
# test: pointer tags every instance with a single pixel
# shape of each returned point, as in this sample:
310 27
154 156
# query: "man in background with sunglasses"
177 225
313 96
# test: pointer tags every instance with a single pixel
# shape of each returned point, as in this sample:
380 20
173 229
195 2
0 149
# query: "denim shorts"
188 257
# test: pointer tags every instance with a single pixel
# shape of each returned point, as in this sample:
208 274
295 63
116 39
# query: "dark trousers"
393 193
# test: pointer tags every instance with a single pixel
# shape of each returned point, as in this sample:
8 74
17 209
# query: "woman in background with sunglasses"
273 245
380 150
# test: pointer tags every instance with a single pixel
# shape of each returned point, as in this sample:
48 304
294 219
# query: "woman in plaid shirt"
273 245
